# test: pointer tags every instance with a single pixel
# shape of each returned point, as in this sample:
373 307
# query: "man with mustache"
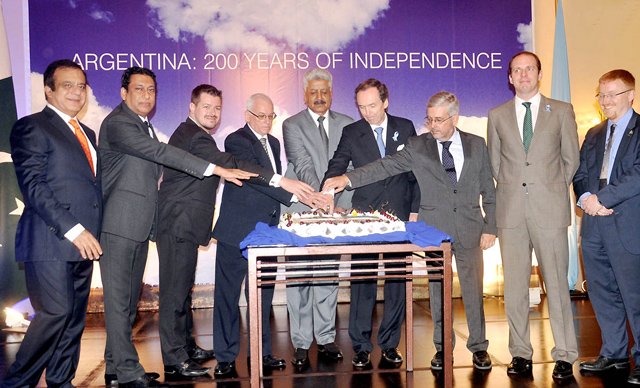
310 138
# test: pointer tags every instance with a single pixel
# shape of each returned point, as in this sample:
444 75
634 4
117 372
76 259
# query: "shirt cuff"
582 198
74 232
294 198
275 180
209 170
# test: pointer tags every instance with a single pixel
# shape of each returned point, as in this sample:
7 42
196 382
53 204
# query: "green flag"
12 283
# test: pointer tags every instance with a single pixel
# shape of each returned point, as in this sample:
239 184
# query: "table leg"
409 322
447 344
255 371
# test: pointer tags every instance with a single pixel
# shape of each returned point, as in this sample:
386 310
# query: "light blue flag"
560 90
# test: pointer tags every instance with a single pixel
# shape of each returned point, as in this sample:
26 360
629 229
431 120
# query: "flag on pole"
12 283
561 90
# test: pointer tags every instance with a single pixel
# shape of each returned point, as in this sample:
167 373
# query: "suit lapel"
368 139
434 155
275 149
258 150
467 152
624 143
390 146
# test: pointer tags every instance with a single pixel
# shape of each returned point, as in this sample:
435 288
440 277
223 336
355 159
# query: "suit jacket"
57 184
622 194
308 161
399 193
131 168
186 204
543 175
452 209
244 206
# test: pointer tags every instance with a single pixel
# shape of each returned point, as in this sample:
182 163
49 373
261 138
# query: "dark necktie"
447 162
150 129
527 127
323 132
378 131
604 171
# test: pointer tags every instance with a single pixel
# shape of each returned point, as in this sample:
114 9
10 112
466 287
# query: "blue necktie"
379 141
447 162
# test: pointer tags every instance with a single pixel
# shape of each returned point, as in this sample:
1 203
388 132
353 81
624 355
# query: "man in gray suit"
310 138
453 171
533 145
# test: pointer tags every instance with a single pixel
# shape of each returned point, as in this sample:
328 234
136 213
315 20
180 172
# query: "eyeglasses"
263 116
142 91
435 120
602 97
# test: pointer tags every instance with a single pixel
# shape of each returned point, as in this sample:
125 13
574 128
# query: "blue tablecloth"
417 233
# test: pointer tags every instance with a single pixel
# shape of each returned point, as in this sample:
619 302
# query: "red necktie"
84 143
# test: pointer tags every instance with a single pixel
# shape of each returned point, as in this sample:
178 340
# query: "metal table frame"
441 265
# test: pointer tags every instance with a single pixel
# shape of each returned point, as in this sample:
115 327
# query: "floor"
322 374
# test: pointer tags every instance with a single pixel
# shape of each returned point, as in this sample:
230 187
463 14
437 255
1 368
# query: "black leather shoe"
271 362
481 360
224 368
602 364
362 359
300 358
634 377
392 355
199 354
330 351
520 366
437 362
141 382
111 380
187 369
562 370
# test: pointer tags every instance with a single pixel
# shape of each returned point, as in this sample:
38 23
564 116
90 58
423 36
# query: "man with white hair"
311 136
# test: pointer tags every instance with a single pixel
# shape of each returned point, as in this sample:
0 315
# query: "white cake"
308 224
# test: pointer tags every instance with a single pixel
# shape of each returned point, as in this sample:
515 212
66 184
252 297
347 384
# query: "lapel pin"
395 136
631 132
547 108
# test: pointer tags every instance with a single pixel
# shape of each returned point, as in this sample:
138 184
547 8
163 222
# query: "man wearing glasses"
607 185
533 146
453 171
240 210
376 136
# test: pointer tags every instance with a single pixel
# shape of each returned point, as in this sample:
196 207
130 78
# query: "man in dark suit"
375 136
533 147
241 208
607 185
311 136
132 159
453 171
185 213
56 163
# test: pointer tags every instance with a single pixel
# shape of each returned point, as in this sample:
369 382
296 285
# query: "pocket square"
400 147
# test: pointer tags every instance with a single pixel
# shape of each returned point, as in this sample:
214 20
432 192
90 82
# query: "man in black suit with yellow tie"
56 164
